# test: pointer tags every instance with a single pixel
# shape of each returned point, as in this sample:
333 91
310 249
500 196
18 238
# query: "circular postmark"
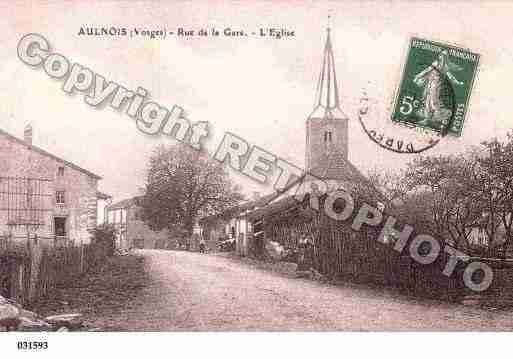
423 113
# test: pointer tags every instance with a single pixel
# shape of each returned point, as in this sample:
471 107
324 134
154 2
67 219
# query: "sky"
261 89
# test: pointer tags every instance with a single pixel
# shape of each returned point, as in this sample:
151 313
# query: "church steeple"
327 100
327 87
327 125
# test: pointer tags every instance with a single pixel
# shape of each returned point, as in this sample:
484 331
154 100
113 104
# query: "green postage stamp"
435 86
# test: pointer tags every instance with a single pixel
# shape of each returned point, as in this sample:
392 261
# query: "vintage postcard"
175 167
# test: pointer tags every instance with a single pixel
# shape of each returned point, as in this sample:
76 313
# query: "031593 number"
32 345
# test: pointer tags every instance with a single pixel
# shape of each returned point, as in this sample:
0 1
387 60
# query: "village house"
44 194
479 238
104 200
232 225
131 230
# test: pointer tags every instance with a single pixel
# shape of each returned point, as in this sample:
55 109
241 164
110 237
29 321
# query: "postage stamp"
435 86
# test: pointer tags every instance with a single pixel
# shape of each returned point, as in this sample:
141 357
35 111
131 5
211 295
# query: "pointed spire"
327 96
327 88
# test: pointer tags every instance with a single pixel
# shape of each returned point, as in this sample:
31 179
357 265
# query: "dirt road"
190 291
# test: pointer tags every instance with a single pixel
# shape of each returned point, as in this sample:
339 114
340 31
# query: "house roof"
126 203
276 207
249 205
101 195
48 154
239 209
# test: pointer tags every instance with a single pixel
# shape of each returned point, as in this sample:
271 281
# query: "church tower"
327 125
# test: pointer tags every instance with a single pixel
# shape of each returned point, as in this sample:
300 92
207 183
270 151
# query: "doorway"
59 226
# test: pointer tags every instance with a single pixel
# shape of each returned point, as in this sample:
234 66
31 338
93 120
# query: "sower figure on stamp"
431 79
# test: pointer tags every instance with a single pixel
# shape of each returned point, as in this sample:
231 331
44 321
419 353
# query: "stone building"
104 200
232 224
44 194
131 230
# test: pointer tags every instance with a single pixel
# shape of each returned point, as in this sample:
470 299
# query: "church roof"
339 170
337 167
327 100
359 187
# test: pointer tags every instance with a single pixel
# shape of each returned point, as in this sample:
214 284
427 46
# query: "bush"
104 238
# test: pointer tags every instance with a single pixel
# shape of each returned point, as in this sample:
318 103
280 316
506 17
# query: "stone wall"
316 148
18 159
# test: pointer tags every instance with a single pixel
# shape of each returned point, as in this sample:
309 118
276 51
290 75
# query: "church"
286 220
327 132
285 217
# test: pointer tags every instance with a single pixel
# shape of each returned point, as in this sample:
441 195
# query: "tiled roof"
273 208
101 195
337 169
239 209
48 154
126 203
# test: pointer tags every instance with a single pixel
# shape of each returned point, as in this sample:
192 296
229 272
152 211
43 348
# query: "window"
59 225
111 217
59 197
60 171
327 136
29 196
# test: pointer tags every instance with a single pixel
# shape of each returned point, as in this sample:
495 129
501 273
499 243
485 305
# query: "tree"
496 188
450 196
448 183
390 184
104 237
182 184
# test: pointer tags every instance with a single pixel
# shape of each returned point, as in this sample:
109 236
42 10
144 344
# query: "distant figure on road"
202 245
304 261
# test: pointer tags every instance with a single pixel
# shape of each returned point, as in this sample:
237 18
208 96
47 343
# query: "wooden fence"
339 251
31 267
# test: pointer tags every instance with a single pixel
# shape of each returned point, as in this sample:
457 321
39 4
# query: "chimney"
27 134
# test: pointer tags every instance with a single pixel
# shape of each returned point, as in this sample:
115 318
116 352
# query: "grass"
101 293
